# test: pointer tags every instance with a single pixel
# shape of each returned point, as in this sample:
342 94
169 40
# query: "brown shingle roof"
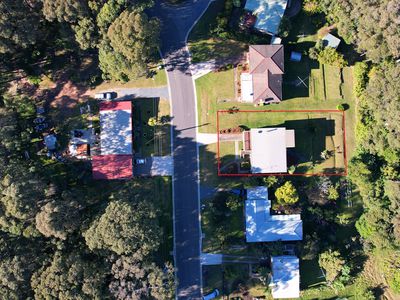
267 67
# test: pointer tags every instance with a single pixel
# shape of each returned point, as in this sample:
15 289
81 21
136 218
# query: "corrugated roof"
116 129
268 150
269 14
112 166
285 281
261 226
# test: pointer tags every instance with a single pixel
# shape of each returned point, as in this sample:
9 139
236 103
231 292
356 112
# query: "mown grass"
159 79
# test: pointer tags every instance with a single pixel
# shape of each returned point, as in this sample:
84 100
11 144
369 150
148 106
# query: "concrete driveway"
155 166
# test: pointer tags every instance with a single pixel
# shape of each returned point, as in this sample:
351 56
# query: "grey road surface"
176 23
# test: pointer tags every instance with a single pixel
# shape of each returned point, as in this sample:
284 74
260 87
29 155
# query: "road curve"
177 22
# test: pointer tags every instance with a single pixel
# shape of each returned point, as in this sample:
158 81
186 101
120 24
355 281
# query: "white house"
261 226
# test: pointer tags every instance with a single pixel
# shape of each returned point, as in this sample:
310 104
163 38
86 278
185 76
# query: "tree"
86 33
152 121
133 279
19 25
333 193
68 277
284 27
312 6
59 217
332 262
69 11
286 194
133 42
128 225
331 57
310 247
21 194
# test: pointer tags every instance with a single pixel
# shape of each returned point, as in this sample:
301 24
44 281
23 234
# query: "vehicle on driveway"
140 161
105 96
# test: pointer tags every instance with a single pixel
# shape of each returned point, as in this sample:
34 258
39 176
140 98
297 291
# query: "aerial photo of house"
200 149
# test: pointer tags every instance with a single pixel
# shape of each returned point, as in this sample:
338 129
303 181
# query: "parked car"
140 161
212 295
105 96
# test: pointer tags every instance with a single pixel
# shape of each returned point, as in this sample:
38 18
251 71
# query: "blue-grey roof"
269 14
261 226
285 281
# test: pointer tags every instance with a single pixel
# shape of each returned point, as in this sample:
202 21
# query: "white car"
106 95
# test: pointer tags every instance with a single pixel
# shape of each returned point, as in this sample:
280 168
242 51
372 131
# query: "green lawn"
160 79
151 140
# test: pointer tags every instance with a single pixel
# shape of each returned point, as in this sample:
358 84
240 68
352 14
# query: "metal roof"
261 226
269 14
285 281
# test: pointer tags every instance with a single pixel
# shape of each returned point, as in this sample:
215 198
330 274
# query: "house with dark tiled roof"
262 83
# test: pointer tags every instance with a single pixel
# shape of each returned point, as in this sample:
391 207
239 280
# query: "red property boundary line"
285 174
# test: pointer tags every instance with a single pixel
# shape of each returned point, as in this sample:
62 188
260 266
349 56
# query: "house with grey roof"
262 83
267 149
285 281
269 14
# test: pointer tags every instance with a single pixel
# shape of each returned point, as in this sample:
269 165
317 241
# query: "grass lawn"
151 140
160 79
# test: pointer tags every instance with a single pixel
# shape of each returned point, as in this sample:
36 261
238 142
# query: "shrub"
311 6
331 57
360 72
34 79
284 27
286 194
342 106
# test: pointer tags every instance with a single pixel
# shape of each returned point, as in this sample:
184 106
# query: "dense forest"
374 29
64 236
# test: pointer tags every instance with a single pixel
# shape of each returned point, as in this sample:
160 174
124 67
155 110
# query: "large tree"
69 277
332 262
286 194
133 41
128 225
19 24
133 279
65 10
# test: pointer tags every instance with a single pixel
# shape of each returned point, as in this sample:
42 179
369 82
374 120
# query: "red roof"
267 66
116 105
112 166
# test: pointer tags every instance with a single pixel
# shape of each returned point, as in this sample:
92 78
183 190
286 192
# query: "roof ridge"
272 58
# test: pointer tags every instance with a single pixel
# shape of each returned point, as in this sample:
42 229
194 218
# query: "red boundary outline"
285 174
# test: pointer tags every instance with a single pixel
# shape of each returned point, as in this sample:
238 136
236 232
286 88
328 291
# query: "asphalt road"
176 23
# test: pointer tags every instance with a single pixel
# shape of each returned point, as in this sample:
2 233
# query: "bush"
286 194
311 6
34 79
330 56
360 72
284 27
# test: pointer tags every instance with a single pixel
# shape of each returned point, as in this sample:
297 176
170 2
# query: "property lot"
319 140
151 139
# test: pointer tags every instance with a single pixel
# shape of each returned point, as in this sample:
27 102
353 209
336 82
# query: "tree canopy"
128 225
286 194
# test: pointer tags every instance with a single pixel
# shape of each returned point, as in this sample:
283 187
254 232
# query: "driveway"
155 166
176 24
154 92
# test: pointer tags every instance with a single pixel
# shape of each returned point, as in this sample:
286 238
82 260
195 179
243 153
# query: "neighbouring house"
285 281
262 84
115 159
80 143
268 13
267 148
261 226
330 40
